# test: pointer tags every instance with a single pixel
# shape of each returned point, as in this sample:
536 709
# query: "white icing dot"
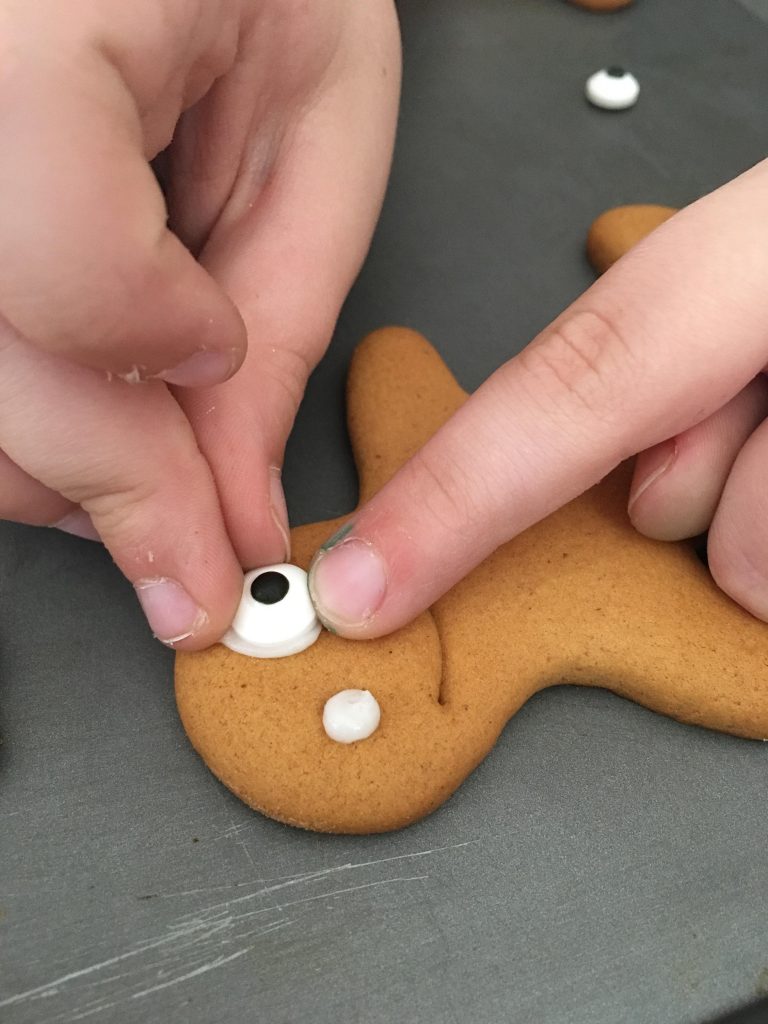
612 89
351 715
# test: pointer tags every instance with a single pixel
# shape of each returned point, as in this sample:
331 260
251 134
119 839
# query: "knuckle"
582 367
122 511
132 504
446 496
288 369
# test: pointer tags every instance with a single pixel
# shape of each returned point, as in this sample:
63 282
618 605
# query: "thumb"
664 339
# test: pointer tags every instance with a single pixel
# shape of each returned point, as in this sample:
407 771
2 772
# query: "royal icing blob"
351 715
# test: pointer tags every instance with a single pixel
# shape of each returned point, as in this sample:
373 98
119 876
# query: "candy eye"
270 587
276 616
612 89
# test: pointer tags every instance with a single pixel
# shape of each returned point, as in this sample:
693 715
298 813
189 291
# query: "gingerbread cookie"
615 232
601 6
366 736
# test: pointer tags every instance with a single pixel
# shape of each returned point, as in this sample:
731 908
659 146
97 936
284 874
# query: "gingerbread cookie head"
367 736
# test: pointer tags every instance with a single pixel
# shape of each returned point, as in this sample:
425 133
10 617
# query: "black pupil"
269 588
616 72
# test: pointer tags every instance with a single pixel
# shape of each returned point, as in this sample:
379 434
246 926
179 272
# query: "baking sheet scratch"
207 939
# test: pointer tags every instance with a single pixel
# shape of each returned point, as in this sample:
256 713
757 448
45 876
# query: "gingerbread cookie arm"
583 598
399 393
656 629
616 231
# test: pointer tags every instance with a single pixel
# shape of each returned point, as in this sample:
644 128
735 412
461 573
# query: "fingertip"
678 483
178 325
203 336
654 507
180 563
180 620
203 368
79 524
348 582
172 614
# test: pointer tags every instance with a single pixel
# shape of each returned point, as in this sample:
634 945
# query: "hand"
275 121
663 356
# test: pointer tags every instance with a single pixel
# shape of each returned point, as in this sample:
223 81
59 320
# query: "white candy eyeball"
612 89
276 616
351 715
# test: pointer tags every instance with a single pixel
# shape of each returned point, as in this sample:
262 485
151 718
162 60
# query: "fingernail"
656 465
337 537
279 509
171 613
347 581
79 524
202 369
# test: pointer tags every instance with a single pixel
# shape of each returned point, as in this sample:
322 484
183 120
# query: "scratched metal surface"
604 864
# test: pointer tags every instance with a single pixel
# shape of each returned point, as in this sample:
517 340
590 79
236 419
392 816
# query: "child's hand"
663 355
277 121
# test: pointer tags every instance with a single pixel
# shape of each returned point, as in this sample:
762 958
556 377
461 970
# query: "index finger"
661 341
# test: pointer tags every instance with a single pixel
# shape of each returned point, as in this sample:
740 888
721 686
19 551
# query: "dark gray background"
604 865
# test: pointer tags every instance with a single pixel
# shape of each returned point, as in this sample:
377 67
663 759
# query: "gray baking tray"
604 864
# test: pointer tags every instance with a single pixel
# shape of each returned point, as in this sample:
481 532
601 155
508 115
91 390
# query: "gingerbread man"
367 736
